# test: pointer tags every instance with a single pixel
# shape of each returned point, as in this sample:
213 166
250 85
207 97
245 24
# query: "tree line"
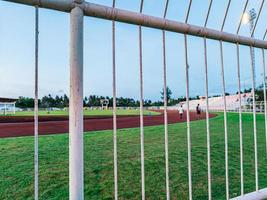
49 101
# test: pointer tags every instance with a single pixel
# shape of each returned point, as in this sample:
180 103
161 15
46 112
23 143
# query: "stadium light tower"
248 18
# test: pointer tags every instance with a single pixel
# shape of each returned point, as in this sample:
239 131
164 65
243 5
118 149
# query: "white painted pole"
264 93
142 117
254 118
166 137
188 121
114 111
240 122
76 176
207 105
207 118
142 143
188 111
166 144
36 153
225 124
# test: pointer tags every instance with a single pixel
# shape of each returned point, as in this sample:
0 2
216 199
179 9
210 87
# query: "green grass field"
16 162
87 113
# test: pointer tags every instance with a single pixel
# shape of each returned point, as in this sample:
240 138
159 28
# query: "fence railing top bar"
109 13
60 5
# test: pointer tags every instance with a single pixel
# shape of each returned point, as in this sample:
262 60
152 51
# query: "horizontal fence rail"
109 13
257 195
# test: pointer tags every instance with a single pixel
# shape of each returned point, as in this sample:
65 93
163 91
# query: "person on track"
198 110
181 111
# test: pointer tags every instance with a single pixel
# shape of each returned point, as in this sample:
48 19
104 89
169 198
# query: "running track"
61 125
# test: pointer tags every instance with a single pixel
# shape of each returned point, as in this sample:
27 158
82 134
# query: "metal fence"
7 108
78 9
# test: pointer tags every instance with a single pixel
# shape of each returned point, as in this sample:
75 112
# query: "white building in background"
7 106
217 103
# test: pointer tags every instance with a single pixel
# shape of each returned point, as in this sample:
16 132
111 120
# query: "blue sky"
17 51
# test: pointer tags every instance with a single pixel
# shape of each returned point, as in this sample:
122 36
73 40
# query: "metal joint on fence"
38 3
78 3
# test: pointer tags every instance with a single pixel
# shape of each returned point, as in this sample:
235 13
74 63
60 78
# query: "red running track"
61 125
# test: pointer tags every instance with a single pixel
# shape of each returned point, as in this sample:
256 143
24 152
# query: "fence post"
14 108
5 110
36 108
76 182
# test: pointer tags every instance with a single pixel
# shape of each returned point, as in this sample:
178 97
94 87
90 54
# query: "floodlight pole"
252 17
76 174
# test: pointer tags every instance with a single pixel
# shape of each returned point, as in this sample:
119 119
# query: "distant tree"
65 100
147 103
93 100
58 102
157 103
168 94
259 91
247 90
85 101
25 102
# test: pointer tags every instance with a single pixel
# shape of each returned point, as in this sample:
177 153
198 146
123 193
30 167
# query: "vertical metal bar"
115 116
76 106
240 121
165 118
166 9
14 108
225 124
264 36
240 107
224 107
207 118
114 92
188 11
264 94
254 121
188 111
141 108
208 13
226 13
188 120
240 22
36 171
257 19
165 108
207 105
142 116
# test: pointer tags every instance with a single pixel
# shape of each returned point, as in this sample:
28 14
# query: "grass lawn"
87 113
16 162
